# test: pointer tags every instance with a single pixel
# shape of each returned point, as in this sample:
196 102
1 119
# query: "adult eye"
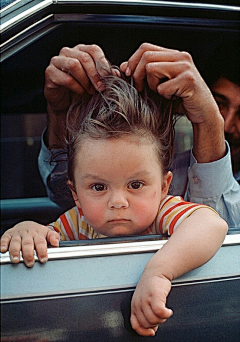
221 105
135 185
99 187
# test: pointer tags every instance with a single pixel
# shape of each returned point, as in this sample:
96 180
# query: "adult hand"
70 74
172 73
26 236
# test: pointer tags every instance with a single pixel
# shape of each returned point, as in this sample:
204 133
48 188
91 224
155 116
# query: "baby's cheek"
145 213
94 215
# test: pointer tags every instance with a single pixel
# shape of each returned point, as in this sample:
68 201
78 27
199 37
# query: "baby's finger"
41 247
154 316
160 313
28 250
14 248
141 330
5 240
53 238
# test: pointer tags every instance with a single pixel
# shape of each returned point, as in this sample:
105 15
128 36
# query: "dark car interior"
118 30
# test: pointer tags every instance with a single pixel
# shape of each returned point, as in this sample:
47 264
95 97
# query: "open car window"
32 31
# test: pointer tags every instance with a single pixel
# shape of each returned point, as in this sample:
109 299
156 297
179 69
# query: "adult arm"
212 184
173 73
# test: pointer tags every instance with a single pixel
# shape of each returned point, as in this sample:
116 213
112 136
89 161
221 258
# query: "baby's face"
119 185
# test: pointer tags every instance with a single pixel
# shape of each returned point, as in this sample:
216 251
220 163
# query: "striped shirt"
172 211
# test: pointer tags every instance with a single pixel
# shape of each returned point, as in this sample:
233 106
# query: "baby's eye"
135 185
99 187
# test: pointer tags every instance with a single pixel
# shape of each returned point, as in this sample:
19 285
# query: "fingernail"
14 258
100 86
128 72
43 260
29 264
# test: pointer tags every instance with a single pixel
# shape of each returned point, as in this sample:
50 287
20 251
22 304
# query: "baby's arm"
194 242
26 236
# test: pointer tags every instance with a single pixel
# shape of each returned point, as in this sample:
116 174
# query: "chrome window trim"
26 37
194 5
7 7
45 3
25 14
112 249
52 21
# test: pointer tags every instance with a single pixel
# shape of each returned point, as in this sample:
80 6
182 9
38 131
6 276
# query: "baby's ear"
167 178
74 193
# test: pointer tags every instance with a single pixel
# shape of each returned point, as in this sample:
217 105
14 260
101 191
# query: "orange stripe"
67 227
168 211
172 224
80 211
82 237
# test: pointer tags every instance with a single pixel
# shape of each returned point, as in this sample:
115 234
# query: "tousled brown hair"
120 110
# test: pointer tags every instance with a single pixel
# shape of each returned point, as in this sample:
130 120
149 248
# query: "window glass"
4 3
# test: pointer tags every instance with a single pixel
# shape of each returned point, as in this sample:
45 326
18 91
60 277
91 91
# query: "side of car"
83 293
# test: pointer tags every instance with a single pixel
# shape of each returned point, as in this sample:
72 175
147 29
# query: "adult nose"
118 200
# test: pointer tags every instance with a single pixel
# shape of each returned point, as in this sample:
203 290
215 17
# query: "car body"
83 292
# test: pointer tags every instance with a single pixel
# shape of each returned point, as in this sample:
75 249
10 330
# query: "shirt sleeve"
173 211
213 184
72 226
52 165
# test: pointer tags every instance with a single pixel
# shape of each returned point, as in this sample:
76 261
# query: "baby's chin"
121 230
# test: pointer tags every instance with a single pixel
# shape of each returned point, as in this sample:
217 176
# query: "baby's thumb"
53 238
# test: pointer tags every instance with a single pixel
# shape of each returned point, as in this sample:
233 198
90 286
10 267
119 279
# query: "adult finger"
136 57
88 56
68 73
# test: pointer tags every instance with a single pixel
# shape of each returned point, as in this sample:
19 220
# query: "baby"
120 146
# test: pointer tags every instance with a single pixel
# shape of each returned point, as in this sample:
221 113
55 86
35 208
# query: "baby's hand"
26 236
148 308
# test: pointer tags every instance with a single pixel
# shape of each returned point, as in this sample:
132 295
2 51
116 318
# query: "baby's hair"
120 110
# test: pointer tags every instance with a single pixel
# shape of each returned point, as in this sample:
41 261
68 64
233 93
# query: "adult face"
227 96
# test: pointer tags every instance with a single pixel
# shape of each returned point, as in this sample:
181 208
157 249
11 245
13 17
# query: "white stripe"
71 224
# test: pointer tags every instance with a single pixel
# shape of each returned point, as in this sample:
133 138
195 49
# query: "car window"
28 47
4 3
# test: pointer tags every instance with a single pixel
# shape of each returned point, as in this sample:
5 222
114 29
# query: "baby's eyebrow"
93 177
142 173
135 175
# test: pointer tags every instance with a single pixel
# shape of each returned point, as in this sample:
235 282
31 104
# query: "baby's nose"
118 200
